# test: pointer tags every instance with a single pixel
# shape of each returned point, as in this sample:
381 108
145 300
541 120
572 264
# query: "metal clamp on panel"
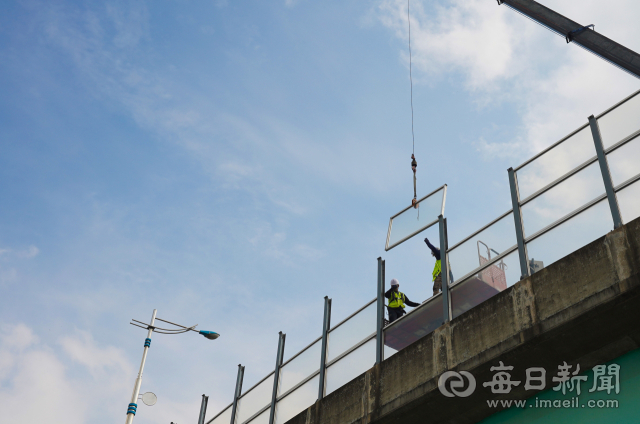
575 32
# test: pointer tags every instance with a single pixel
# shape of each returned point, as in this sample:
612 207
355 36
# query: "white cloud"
29 252
275 244
33 374
79 383
103 363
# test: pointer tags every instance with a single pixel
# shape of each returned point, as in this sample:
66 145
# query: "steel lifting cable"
414 164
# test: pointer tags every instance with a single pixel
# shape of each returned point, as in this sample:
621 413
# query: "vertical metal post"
203 409
606 175
448 268
444 270
383 275
517 218
326 324
380 315
237 393
276 377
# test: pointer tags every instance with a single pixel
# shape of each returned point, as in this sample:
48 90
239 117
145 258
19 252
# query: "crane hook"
414 165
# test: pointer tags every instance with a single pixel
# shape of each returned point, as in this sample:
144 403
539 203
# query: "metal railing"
566 196
348 352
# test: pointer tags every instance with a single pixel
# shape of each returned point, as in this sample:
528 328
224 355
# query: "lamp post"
211 335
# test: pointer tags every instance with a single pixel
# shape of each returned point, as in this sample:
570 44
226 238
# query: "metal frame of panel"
444 199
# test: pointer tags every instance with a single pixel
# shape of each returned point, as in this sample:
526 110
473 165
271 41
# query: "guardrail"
563 198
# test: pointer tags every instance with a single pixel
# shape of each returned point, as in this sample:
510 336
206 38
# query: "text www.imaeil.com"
546 403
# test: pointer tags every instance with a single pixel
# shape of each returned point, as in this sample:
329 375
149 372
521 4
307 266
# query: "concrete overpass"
583 309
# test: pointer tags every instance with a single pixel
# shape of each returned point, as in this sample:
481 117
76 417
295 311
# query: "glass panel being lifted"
411 221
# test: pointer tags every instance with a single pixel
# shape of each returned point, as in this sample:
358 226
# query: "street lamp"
211 335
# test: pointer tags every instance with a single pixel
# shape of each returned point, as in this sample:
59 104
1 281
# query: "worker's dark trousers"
395 313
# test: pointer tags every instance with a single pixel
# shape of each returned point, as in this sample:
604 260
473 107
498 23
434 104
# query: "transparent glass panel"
254 400
620 122
415 220
300 367
353 331
413 326
564 198
570 236
224 418
482 247
624 162
351 366
262 418
629 202
574 151
485 284
297 401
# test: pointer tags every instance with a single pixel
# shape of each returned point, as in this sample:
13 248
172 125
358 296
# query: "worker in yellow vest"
397 301
436 274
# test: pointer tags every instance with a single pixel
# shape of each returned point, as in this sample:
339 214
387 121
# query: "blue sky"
231 163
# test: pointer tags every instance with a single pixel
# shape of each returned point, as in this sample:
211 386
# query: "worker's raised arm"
388 293
435 250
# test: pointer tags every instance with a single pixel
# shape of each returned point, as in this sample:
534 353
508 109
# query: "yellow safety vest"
436 269
396 300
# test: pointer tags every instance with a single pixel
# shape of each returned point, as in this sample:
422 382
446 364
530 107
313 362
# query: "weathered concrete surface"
583 309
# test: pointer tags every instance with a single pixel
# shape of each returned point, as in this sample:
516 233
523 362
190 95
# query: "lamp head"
211 335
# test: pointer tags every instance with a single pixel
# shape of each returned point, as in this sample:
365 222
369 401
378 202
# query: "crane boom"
597 43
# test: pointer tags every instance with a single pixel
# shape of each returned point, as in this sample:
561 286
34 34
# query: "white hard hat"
395 282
